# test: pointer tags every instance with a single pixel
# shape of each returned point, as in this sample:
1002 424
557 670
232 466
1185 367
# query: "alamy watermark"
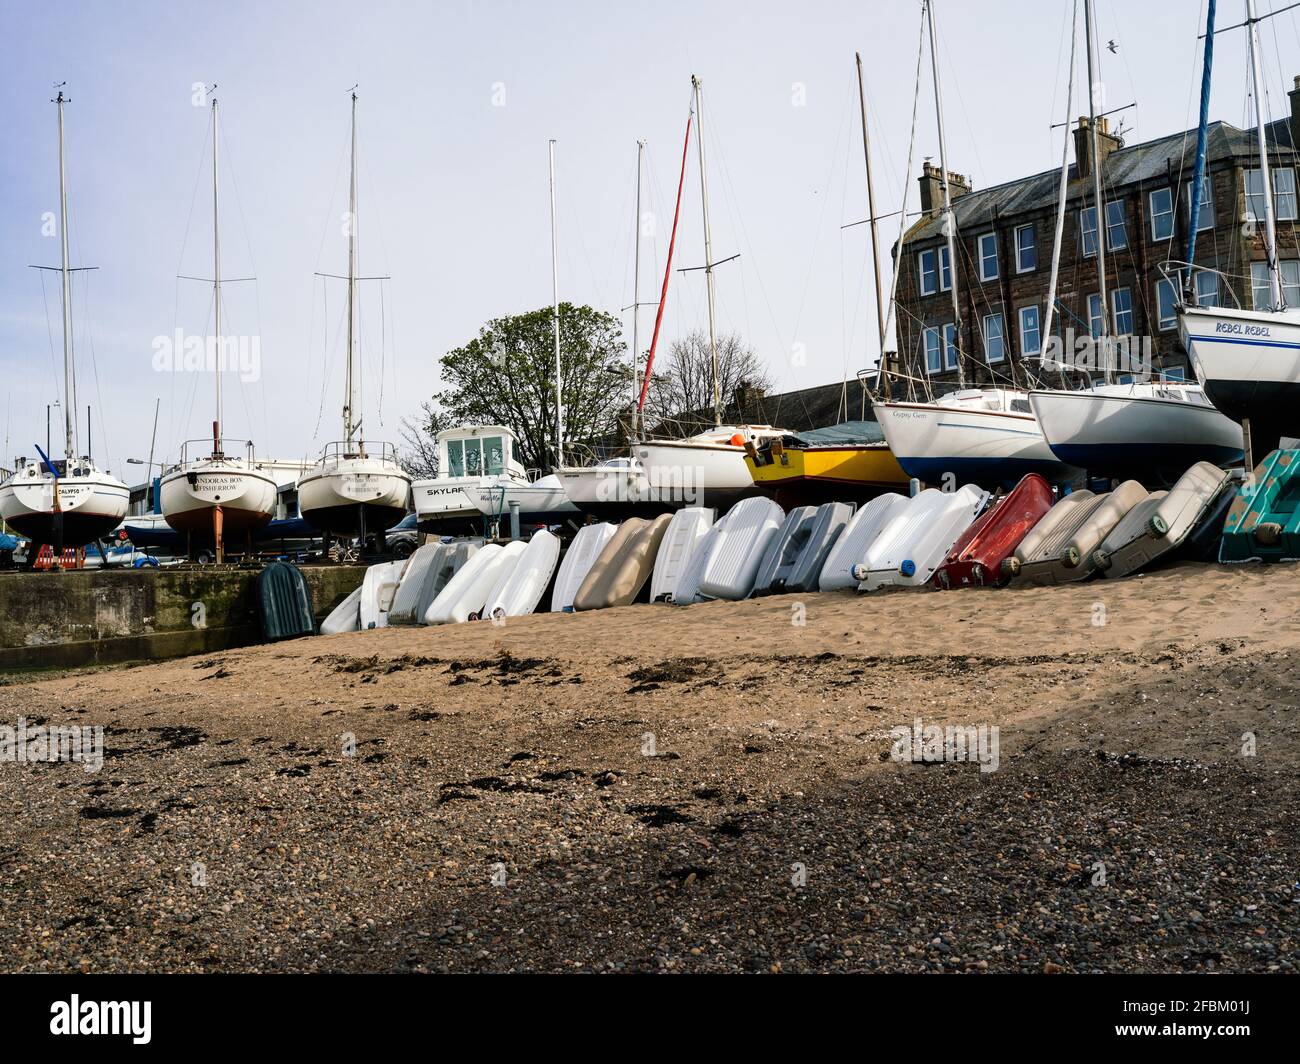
36 743
931 744
1128 355
194 353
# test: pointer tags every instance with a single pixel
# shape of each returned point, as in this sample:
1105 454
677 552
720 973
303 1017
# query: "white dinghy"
345 617
851 548
916 541
687 589
377 591
519 594
412 597
743 539
577 563
469 588
687 530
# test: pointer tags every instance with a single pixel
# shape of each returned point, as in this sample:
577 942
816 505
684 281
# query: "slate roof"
1148 161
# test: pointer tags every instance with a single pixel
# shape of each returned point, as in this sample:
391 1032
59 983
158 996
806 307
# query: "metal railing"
208 448
340 451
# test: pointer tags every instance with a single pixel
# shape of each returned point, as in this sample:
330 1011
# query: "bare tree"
419 441
682 388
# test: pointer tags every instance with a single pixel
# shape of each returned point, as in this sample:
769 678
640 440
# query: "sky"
457 103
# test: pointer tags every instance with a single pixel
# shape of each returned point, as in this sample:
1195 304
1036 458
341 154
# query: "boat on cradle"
66 502
986 436
848 462
915 542
1161 522
976 558
610 490
478 471
1146 431
355 488
707 469
1263 522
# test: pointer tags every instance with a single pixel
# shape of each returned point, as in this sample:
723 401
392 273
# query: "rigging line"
54 373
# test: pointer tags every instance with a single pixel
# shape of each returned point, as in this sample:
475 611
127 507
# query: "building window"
950 346
1261 288
995 343
1094 315
1207 289
1291 282
932 363
1284 194
987 246
1166 304
1031 342
1161 202
1116 234
1122 311
929 263
1026 249
1088 230
1205 217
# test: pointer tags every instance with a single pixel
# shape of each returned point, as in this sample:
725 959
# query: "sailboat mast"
69 381
555 323
875 232
708 252
216 287
349 399
636 292
1049 309
1270 221
949 222
1099 207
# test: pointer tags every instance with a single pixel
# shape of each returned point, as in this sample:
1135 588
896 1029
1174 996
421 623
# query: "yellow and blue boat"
848 462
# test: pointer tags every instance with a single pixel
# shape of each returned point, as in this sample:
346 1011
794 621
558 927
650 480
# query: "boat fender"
1158 525
860 572
1101 559
1010 568
737 440
140 563
908 568
941 578
1268 533
1070 557
978 573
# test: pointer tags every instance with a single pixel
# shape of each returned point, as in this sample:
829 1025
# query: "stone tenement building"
1004 249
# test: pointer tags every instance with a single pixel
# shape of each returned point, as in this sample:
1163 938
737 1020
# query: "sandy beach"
700 789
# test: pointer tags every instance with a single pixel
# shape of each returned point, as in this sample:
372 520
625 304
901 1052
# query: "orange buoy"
737 440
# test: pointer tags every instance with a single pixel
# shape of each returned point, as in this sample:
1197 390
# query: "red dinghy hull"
976 558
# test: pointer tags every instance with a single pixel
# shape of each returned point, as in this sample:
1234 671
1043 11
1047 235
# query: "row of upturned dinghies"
933 538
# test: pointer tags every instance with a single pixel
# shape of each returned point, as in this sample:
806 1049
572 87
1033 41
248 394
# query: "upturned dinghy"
831 521
1064 554
519 595
413 595
976 558
1263 521
914 544
784 550
852 546
624 565
1161 522
284 602
577 563
687 530
687 589
469 588
743 538
345 617
377 590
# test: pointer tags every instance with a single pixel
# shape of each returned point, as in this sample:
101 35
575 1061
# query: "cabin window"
1088 230
473 458
1021 406
493 456
1116 233
1166 304
950 346
1173 373
1207 289
988 256
1122 311
1161 201
1094 315
932 356
1205 216
455 458
1031 341
995 344
1026 249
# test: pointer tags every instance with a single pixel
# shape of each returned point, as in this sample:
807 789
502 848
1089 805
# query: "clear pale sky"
454 199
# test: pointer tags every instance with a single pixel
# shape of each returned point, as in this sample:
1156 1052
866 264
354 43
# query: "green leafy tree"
505 376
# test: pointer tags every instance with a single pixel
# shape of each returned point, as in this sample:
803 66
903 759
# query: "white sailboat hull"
1248 362
339 496
192 494
90 506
